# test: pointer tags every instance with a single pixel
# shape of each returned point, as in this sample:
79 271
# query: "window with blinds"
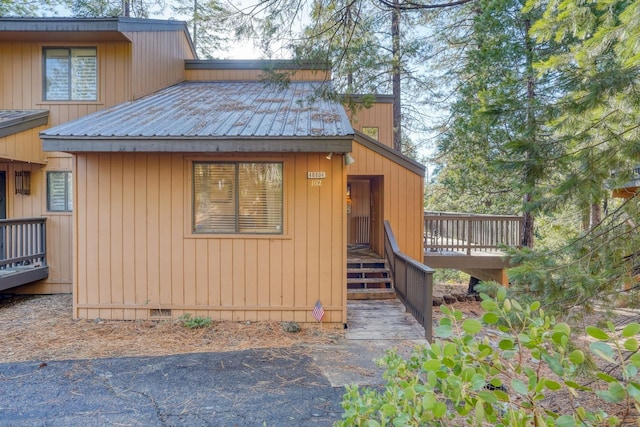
235 197
59 191
70 74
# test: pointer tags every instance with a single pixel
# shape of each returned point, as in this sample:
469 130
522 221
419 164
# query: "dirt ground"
41 328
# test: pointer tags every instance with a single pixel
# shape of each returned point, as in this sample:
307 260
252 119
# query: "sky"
244 49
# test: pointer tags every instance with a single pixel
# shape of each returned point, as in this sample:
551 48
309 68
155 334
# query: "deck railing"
413 282
457 232
23 251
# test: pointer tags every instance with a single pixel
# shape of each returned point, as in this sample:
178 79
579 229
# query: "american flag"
318 312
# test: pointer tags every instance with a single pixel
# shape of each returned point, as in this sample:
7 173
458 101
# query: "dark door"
3 195
3 209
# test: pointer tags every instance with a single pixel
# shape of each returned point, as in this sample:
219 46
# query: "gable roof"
14 121
238 116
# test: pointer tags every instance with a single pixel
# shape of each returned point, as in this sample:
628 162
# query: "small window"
232 197
59 191
70 74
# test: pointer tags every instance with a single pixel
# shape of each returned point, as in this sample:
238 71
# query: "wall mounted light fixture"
348 159
329 156
23 182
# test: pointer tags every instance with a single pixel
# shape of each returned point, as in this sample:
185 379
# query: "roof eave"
391 154
10 127
311 144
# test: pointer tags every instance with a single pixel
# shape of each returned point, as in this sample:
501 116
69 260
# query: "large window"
59 191
70 74
233 197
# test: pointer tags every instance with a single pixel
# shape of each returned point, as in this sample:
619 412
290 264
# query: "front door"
3 209
359 211
3 195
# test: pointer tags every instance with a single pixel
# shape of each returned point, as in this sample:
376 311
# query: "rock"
450 299
438 301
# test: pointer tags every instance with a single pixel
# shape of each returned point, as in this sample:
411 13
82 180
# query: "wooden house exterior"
132 246
134 57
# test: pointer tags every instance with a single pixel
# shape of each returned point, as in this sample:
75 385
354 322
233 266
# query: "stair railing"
413 282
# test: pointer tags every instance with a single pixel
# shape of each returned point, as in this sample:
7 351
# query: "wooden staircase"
369 278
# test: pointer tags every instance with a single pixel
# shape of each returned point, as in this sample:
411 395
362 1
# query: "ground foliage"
507 378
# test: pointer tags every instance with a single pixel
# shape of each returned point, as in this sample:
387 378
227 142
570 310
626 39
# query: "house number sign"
316 178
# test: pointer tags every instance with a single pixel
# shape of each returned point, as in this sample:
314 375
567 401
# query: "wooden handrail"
23 242
413 282
466 233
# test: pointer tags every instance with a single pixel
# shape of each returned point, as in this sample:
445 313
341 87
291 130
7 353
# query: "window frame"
193 231
68 191
69 98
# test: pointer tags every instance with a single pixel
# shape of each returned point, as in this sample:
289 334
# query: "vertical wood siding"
23 146
21 88
402 197
135 251
225 75
379 115
158 60
59 242
21 79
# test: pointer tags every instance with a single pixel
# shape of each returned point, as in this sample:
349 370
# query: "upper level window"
70 74
235 197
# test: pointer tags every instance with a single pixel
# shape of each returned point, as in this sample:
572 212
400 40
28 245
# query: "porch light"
329 156
23 182
348 159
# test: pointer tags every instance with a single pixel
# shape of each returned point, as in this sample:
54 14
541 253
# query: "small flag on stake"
318 311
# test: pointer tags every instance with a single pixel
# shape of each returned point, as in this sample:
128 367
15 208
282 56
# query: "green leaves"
500 378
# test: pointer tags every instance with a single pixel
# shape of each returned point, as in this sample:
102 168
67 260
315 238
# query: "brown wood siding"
225 75
59 242
21 79
23 146
135 251
379 115
158 60
402 197
21 88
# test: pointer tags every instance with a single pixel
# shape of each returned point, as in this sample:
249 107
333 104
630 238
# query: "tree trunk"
596 215
526 238
530 175
395 73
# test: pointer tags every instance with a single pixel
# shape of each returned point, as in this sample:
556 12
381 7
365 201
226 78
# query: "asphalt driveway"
269 387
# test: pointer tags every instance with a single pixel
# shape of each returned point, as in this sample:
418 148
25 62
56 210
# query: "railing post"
469 234
428 307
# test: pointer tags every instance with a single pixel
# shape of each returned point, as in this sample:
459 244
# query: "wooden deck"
470 243
23 253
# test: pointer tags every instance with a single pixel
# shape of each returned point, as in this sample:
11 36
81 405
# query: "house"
174 185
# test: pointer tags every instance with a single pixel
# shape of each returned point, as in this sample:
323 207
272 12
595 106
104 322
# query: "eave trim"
252 64
21 124
390 154
199 145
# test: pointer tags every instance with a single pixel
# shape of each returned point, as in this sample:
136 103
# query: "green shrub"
464 377
195 322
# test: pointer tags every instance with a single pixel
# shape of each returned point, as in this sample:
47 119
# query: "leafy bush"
195 322
467 378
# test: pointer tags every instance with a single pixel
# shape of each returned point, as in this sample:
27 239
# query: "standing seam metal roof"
216 110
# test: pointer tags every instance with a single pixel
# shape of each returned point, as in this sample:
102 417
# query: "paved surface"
273 387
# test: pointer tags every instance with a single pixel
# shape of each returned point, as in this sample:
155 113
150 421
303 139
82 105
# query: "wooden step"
368 294
367 270
369 280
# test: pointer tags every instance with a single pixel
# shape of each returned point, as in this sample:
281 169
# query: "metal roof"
212 116
14 121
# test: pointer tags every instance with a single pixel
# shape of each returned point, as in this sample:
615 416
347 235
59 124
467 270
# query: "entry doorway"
364 212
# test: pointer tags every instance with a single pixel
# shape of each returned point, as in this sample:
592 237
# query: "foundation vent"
159 313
